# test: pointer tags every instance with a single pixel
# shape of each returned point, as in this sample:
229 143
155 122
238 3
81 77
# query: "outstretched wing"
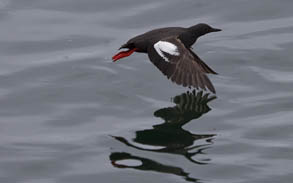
180 64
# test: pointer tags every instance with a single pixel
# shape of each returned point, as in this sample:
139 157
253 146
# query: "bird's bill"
123 54
216 30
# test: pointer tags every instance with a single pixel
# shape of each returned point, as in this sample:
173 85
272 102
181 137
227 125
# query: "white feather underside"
164 46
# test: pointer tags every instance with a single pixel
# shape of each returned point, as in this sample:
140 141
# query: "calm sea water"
70 115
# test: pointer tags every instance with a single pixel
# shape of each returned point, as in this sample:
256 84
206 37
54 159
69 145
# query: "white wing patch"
164 46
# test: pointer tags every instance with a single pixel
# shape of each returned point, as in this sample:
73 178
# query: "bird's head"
202 29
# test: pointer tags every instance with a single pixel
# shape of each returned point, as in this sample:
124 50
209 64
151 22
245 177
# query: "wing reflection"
170 137
148 165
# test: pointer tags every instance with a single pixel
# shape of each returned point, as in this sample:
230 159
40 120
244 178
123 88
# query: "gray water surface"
69 115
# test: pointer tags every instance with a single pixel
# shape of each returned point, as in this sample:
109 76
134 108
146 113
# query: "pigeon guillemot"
169 49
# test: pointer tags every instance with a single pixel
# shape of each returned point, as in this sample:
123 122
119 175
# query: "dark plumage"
169 50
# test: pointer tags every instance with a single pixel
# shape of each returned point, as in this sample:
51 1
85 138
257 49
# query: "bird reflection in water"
170 137
148 165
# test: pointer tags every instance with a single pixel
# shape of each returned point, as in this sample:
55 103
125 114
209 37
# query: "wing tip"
197 81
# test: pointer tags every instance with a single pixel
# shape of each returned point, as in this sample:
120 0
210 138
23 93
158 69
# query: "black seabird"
169 49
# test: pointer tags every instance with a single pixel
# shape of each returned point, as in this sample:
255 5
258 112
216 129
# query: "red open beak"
123 54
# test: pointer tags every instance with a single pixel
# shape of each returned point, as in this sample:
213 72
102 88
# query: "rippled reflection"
170 137
148 165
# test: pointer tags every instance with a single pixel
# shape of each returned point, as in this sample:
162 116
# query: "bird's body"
154 36
169 50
